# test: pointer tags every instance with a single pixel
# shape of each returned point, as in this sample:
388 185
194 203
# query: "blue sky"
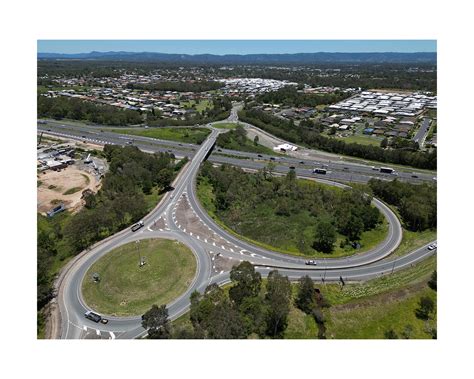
236 46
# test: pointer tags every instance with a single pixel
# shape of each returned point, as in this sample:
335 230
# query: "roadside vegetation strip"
301 224
225 125
366 310
368 318
186 135
413 240
125 289
236 139
375 316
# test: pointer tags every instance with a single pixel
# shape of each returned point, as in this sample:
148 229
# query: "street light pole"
138 250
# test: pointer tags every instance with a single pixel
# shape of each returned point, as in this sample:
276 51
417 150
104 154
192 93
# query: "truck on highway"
387 170
137 226
320 171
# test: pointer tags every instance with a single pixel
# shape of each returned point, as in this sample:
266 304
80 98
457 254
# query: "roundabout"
180 217
128 280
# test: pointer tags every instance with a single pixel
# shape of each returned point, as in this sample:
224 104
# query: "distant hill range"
300 58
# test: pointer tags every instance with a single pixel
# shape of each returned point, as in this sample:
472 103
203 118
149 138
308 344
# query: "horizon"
236 47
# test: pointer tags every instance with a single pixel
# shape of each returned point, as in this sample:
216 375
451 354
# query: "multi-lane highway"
180 216
335 170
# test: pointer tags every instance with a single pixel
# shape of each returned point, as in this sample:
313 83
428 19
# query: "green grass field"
187 135
225 125
363 310
125 289
265 229
202 105
361 139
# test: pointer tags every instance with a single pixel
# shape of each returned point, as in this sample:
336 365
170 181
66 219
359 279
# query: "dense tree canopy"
77 109
289 96
417 203
277 210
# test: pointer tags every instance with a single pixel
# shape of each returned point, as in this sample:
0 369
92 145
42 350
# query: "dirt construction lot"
65 186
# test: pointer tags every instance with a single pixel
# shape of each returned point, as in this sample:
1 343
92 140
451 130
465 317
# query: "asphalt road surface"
215 249
422 132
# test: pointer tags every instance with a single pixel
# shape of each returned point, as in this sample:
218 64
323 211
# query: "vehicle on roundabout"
137 226
93 316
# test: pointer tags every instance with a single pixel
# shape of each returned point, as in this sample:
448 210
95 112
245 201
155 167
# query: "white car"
433 246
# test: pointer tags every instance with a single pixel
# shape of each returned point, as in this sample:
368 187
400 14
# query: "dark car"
292 167
137 226
301 162
415 176
259 155
272 159
93 316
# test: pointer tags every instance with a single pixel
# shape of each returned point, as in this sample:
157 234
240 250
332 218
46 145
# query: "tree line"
236 139
120 202
178 86
417 203
289 96
249 308
268 209
76 109
312 138
220 110
347 75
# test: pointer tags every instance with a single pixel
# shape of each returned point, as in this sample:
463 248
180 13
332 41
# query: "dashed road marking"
97 332
112 335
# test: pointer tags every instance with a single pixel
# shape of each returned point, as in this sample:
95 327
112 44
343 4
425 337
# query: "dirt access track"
52 186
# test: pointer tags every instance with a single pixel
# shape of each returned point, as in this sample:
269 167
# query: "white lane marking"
205 240
231 249
190 233
184 229
242 252
98 332
213 244
112 335
229 257
84 327
197 237
252 254
161 230
222 271
223 247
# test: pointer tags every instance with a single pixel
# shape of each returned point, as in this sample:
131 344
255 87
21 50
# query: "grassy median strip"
186 135
125 289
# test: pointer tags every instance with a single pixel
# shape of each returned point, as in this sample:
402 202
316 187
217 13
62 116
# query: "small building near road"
285 147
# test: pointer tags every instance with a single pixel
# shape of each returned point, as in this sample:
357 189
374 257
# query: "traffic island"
128 280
